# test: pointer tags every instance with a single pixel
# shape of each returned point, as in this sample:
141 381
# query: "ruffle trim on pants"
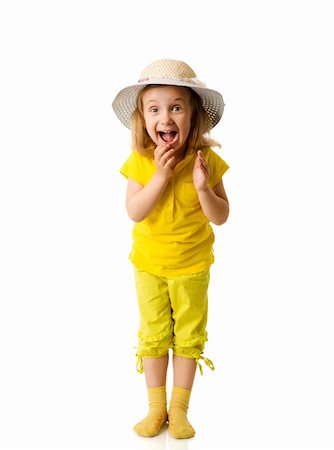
155 346
158 345
193 348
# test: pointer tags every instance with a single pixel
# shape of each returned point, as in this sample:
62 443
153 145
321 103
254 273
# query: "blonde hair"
198 138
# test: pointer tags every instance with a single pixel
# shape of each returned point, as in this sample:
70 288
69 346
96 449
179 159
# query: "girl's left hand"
201 173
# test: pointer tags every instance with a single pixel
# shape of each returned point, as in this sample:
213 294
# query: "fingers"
201 157
167 156
201 163
163 154
170 162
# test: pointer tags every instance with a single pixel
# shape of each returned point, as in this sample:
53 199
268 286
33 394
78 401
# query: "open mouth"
167 136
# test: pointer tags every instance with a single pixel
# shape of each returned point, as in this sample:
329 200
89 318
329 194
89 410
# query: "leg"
155 370
184 374
155 334
184 371
189 302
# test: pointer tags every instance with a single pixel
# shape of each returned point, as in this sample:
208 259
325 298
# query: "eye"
176 108
153 109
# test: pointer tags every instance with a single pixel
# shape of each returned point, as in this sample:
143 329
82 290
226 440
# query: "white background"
68 306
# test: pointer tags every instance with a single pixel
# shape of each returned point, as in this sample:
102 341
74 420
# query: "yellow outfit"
173 314
176 238
172 253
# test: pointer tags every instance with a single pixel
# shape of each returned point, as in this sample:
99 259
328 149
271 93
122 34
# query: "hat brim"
125 101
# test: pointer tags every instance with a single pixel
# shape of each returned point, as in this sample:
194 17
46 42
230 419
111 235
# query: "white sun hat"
168 72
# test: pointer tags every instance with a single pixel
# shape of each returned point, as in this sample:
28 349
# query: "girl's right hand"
164 159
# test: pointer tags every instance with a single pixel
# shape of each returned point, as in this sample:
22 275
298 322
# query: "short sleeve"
133 168
217 168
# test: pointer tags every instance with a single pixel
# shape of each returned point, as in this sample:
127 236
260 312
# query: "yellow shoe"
179 426
157 414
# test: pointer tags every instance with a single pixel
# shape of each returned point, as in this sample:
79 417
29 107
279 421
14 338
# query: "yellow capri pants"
173 314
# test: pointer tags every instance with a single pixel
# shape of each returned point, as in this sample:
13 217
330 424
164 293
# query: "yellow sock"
179 426
157 414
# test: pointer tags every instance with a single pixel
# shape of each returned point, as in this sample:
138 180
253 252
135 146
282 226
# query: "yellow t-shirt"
176 238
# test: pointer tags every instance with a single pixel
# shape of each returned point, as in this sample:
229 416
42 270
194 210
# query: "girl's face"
167 113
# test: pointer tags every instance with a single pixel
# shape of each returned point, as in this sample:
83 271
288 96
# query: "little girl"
174 191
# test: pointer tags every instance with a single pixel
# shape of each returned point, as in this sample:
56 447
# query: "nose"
166 117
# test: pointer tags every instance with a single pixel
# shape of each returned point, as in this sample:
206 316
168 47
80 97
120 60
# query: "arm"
141 200
214 201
